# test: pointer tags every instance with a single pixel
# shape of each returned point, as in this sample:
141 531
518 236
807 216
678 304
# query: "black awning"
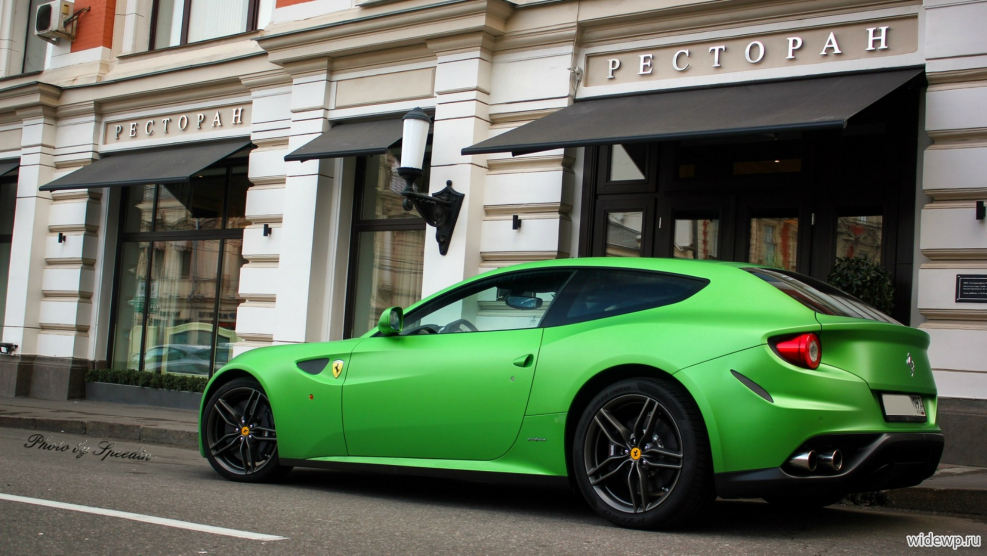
358 139
823 102
8 166
165 165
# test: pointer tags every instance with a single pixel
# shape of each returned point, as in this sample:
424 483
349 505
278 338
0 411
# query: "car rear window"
607 292
819 296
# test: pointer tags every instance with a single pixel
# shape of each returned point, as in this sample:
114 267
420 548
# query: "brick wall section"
283 3
94 28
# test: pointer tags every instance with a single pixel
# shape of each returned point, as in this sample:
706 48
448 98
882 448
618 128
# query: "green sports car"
653 385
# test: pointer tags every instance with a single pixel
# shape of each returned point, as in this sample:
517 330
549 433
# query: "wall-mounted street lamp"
440 210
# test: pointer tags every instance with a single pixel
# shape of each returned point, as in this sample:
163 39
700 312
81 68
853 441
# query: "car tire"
641 455
238 433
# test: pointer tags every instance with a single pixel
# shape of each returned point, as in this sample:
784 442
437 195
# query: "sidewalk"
953 489
106 420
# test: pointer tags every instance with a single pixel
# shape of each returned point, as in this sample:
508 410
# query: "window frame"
221 234
253 12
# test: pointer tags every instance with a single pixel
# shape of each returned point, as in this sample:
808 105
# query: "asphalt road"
323 512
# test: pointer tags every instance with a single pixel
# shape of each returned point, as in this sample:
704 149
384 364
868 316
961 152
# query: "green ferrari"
652 385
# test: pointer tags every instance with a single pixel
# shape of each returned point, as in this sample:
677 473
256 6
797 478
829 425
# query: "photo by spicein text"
103 450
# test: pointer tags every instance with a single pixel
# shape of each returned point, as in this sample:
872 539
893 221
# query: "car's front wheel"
238 433
641 455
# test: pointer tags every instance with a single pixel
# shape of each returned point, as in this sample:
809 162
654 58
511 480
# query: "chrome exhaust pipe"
832 460
805 460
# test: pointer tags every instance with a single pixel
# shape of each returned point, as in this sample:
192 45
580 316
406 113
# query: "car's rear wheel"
641 455
239 435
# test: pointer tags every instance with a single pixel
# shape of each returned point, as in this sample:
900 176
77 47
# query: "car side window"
508 302
597 293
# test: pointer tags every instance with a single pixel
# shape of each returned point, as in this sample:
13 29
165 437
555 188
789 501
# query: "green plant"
131 377
865 280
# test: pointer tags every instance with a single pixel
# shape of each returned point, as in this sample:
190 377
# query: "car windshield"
819 296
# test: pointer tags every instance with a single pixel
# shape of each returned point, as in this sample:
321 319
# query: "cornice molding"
28 94
85 108
266 79
546 36
958 194
956 254
707 16
388 28
953 314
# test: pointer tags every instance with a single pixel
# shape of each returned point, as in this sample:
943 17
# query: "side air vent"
313 366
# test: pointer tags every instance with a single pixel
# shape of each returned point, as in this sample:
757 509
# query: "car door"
455 383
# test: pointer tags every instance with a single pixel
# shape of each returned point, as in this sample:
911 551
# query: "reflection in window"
176 297
36 49
624 234
389 274
696 239
8 199
186 21
627 162
774 242
511 302
390 250
859 236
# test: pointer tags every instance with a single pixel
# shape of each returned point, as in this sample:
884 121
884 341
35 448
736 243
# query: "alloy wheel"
633 453
240 433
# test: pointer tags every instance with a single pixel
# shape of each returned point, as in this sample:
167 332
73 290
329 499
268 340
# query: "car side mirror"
523 302
391 321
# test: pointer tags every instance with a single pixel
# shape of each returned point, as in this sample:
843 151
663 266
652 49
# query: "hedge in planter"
865 280
148 380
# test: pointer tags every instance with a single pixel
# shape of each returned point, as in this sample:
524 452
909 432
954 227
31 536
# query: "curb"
948 500
105 429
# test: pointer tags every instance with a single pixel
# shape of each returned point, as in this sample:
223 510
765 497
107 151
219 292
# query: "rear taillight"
804 350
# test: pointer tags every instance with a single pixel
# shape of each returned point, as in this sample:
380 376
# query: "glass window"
185 21
696 239
510 302
819 296
389 249
390 269
624 234
35 48
859 236
605 292
176 292
628 162
8 202
774 242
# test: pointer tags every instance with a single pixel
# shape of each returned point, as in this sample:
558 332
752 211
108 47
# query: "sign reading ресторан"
165 126
816 45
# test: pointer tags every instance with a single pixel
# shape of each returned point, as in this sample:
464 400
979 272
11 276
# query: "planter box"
138 395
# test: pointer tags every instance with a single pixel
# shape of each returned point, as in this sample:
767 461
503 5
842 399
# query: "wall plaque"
971 288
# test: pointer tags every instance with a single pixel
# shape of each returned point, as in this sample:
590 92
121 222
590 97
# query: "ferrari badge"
337 368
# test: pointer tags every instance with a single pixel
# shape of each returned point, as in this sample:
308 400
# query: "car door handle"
524 361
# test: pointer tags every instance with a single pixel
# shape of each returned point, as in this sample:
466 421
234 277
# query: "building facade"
149 218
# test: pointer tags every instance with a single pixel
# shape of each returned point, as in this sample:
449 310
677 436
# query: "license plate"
902 407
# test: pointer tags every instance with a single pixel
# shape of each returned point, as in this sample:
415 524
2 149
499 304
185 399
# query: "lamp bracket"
440 210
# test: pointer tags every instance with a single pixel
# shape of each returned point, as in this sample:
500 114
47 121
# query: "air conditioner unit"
54 21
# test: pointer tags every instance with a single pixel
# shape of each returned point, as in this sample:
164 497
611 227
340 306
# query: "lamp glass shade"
413 142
